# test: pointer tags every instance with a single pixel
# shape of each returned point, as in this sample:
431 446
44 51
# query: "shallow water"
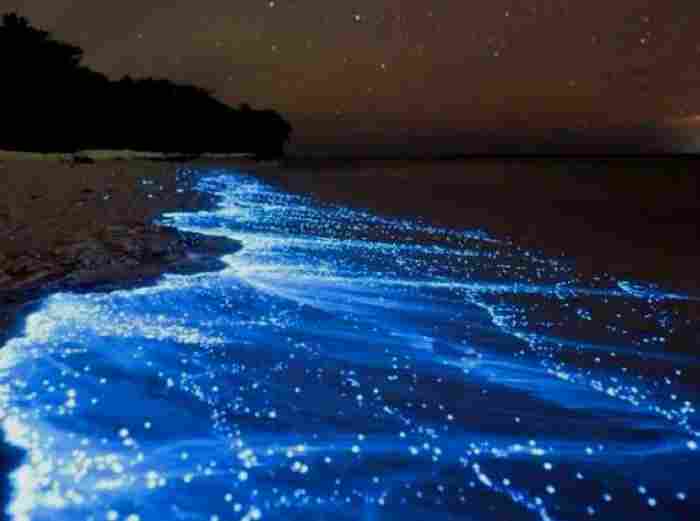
350 366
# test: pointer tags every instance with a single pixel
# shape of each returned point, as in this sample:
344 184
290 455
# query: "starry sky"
380 70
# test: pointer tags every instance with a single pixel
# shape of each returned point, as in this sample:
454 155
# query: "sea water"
348 366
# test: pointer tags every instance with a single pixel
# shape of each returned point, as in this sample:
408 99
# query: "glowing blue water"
344 367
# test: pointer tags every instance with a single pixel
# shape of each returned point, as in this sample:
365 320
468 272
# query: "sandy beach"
72 226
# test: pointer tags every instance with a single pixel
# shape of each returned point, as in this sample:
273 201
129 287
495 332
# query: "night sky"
381 69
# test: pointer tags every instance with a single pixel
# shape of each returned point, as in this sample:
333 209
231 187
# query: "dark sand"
88 226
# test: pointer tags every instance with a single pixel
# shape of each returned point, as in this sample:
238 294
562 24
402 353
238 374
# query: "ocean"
352 365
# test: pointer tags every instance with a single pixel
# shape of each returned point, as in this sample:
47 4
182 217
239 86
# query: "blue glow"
347 366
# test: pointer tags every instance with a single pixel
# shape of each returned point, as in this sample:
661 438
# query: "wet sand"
76 226
86 226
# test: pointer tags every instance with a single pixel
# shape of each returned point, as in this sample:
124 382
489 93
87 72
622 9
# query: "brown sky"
404 66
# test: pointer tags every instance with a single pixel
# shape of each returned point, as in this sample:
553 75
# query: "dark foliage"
50 102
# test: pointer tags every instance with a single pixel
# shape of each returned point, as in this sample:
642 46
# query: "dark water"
347 366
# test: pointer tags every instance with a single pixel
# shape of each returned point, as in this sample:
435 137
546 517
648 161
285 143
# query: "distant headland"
50 102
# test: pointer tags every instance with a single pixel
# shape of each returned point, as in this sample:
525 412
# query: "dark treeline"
49 102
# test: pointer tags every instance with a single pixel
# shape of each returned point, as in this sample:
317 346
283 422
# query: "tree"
50 102
21 44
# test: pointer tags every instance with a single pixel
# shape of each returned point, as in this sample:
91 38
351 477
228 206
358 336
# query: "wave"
346 365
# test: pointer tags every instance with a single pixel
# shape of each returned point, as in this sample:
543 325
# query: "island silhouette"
51 102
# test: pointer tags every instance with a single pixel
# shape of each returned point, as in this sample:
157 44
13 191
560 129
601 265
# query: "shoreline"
119 251
633 219
191 253
88 249
202 254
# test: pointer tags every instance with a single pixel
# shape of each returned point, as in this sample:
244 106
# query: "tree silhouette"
16 31
50 102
